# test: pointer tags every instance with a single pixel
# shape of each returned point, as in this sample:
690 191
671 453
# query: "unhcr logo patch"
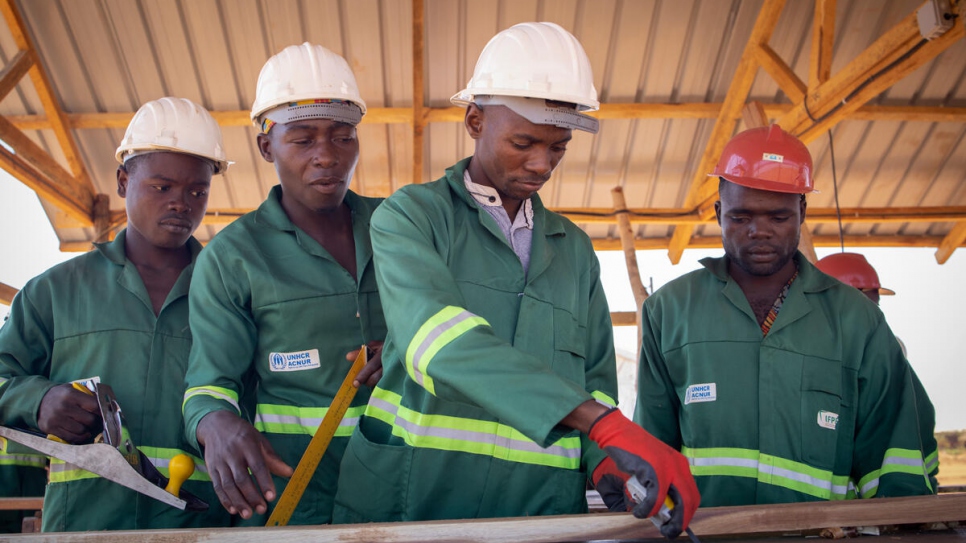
827 419
705 392
297 361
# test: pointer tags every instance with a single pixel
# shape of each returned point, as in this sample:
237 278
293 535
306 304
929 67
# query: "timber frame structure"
58 152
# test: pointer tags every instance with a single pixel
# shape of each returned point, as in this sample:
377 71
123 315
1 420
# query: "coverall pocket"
569 346
821 409
372 480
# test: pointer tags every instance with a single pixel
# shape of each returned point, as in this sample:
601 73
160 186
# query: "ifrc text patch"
827 419
704 392
297 361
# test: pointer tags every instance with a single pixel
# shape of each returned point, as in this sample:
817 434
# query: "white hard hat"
304 72
533 60
174 124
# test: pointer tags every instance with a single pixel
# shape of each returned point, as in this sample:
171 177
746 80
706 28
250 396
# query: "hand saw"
320 442
116 458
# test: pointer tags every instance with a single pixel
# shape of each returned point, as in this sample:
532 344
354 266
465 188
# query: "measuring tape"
320 442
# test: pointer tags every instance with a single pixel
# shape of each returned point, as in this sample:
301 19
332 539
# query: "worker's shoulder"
431 198
695 280
84 272
848 303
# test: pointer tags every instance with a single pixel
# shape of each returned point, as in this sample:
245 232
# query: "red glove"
661 469
610 483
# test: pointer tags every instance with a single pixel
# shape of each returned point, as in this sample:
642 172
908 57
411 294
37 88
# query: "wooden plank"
21 504
419 95
823 38
14 71
711 522
894 55
7 294
714 242
788 82
26 161
953 239
45 93
724 126
754 114
623 318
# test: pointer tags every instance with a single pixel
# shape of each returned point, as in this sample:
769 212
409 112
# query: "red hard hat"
853 269
767 159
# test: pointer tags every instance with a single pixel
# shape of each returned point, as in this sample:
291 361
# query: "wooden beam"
400 115
724 126
677 216
747 521
714 242
45 92
419 117
26 161
102 218
788 82
897 53
623 318
953 239
630 257
6 295
754 114
14 71
823 38
21 504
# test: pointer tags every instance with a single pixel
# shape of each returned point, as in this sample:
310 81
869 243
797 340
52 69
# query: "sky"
926 312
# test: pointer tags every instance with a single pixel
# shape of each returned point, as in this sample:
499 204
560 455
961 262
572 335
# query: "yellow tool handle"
320 442
85 390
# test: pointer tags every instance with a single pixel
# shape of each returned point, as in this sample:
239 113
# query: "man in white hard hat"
283 293
500 369
120 314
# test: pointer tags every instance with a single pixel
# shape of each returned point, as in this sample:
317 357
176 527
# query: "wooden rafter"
14 71
823 37
955 238
724 126
48 100
788 82
7 293
26 161
714 242
899 52
400 115
893 56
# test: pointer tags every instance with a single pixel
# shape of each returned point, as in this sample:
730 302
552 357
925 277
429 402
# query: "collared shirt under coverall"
271 306
822 408
481 363
92 316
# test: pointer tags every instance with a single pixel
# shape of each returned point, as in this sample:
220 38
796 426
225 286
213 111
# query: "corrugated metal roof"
110 56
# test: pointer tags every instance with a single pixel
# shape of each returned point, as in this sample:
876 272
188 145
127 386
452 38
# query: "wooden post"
419 116
630 256
102 218
6 298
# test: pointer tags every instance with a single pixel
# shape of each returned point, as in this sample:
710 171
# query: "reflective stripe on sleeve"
24 460
896 460
488 438
220 393
62 472
437 332
288 419
768 469
603 398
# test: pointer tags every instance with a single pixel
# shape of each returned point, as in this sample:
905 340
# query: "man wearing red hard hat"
779 383
854 270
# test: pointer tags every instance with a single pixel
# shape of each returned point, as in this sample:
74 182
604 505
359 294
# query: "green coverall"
92 317
277 312
822 408
21 475
481 363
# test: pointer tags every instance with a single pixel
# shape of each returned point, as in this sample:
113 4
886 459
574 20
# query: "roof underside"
110 56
